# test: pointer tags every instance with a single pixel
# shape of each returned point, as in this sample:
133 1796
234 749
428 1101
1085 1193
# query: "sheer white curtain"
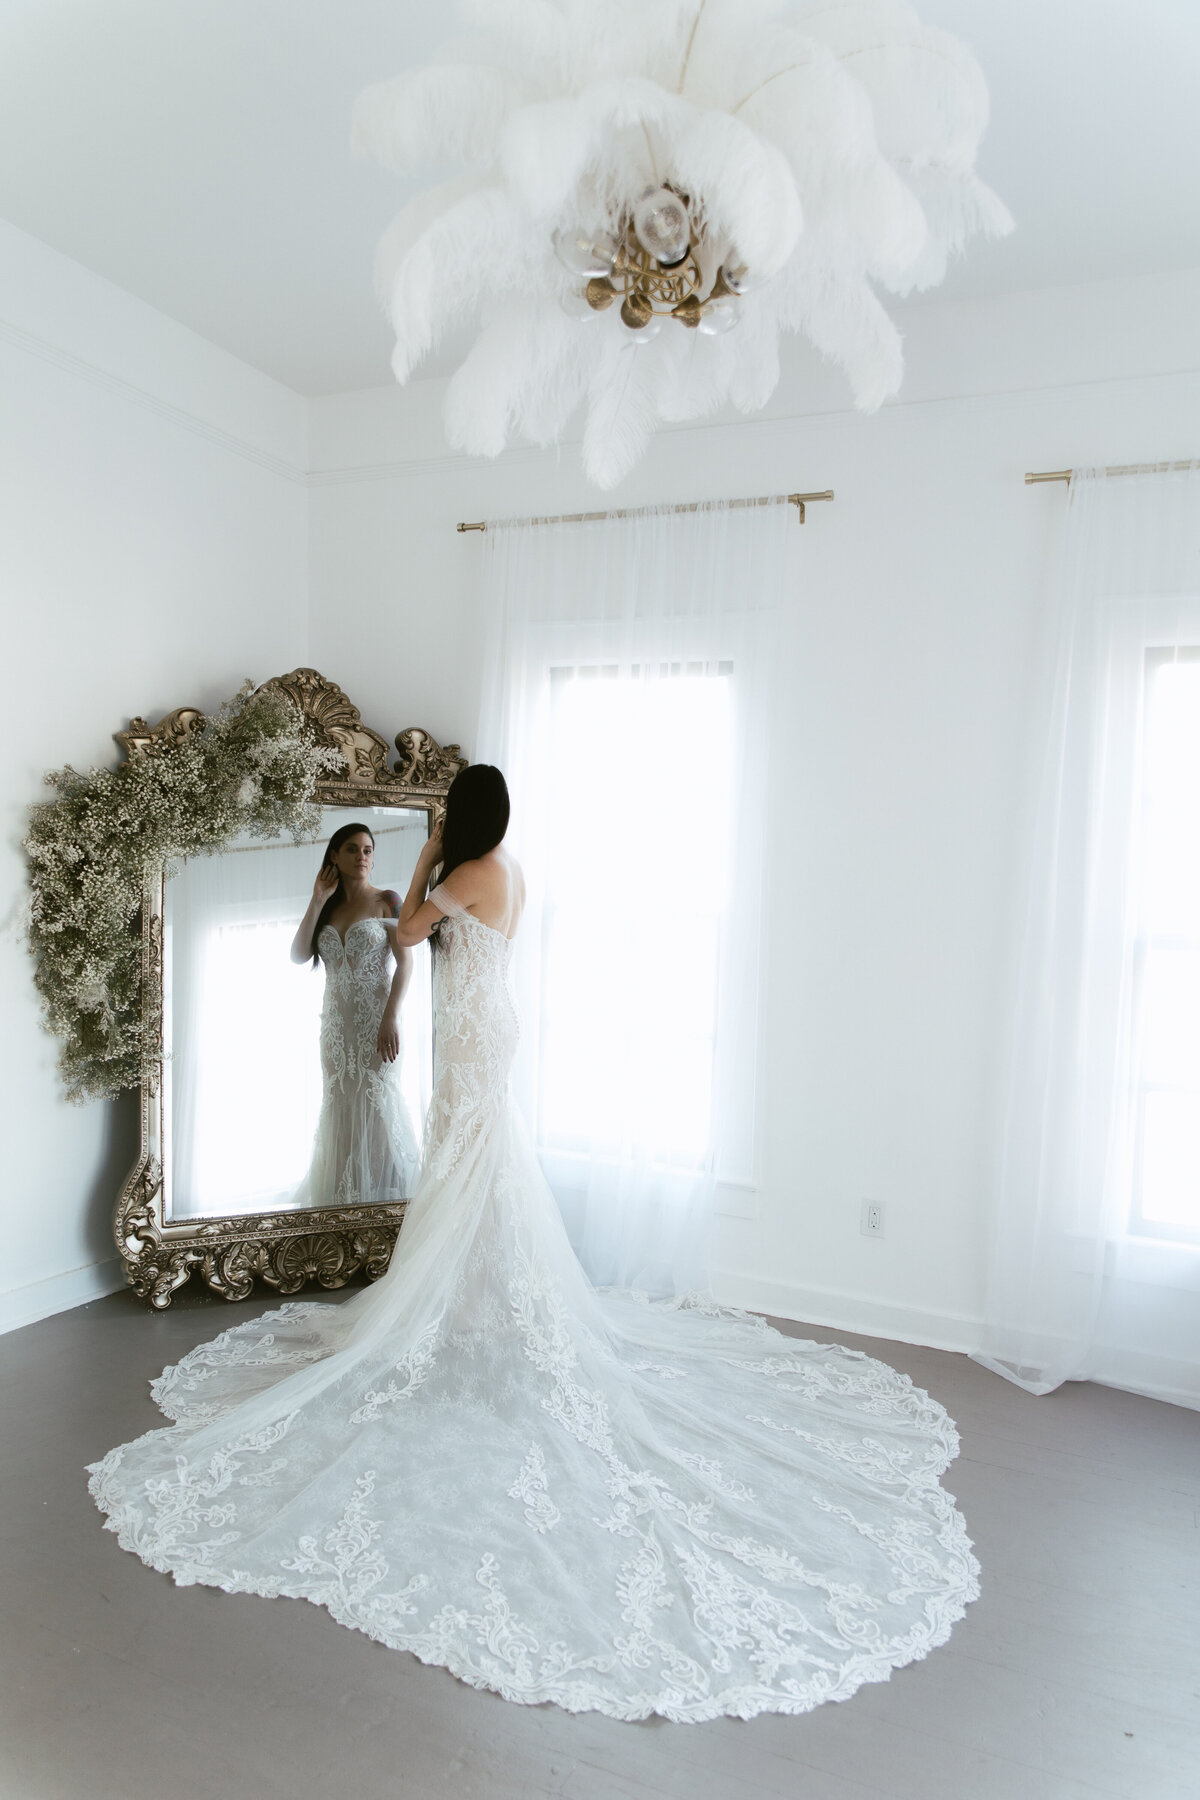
627 670
244 1071
1095 1263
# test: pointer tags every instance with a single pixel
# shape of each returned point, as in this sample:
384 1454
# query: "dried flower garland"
253 765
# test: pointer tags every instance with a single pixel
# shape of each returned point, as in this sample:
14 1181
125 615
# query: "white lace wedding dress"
365 1149
556 1492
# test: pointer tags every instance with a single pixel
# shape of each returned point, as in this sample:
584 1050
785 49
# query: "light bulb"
584 253
718 317
738 278
661 223
649 330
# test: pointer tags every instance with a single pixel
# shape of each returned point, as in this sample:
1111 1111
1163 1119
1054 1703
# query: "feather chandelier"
654 190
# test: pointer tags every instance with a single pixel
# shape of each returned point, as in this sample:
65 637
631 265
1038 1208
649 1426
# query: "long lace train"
555 1492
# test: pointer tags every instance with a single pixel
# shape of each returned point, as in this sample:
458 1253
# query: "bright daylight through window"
255 1113
632 949
1167 954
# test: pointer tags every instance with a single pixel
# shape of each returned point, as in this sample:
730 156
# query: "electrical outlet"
871 1224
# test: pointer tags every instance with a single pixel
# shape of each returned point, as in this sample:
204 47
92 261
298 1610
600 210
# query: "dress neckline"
371 919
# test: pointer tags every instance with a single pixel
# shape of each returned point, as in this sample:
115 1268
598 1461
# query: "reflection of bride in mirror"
365 1149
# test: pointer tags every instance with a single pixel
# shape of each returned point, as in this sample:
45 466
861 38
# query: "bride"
365 1149
556 1492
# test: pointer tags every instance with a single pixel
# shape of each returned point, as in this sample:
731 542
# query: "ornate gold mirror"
241 1171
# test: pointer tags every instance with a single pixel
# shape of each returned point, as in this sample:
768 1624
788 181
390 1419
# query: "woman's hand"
388 1041
431 849
325 886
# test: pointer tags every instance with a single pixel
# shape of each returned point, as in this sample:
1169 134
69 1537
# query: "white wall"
152 554
155 552
901 747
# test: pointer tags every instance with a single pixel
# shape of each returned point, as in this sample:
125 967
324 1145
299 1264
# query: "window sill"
1160 1262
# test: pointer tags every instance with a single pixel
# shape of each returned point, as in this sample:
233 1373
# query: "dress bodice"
365 1148
364 950
358 979
475 1021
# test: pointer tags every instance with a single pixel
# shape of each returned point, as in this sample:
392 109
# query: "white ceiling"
196 153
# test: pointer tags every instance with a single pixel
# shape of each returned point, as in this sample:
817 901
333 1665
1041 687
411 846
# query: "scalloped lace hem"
739 1703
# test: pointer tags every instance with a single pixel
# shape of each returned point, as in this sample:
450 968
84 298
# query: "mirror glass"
275 1095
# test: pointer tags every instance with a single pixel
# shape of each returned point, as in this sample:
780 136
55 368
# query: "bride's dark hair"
341 836
476 815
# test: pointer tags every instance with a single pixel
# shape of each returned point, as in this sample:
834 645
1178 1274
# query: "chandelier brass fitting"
649 286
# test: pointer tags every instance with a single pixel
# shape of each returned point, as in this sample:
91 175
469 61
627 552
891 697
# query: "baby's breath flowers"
253 766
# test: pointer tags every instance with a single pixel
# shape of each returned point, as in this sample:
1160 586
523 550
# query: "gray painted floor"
1075 1675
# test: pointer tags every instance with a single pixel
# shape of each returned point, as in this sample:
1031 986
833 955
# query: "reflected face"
354 858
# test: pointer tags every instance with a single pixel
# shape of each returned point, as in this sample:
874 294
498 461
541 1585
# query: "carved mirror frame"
329 1245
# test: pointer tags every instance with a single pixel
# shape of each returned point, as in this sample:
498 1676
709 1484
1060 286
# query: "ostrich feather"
749 192
827 144
845 320
546 150
705 373
410 225
958 206
470 252
524 372
623 409
794 90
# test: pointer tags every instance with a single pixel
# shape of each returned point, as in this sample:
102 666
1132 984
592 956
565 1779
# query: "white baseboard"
1134 1371
1158 1377
59 1293
859 1313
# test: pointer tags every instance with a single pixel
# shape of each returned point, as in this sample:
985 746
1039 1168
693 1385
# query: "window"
1167 955
256 1066
637 876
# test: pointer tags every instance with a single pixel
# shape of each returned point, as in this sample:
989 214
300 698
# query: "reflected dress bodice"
555 1491
365 1148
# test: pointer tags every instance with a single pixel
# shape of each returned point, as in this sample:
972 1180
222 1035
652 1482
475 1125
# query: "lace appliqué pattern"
365 1149
541 1514
557 1493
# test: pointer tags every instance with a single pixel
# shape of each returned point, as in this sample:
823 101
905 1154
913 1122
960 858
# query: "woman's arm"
418 915
388 1041
323 887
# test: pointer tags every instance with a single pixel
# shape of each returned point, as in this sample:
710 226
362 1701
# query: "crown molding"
456 463
453 463
80 366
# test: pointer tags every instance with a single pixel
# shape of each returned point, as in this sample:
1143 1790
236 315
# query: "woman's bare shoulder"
491 886
470 880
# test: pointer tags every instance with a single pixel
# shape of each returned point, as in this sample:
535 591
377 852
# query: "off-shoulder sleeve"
444 900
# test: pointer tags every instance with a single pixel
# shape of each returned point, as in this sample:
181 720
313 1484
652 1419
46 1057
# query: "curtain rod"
799 501
1119 469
